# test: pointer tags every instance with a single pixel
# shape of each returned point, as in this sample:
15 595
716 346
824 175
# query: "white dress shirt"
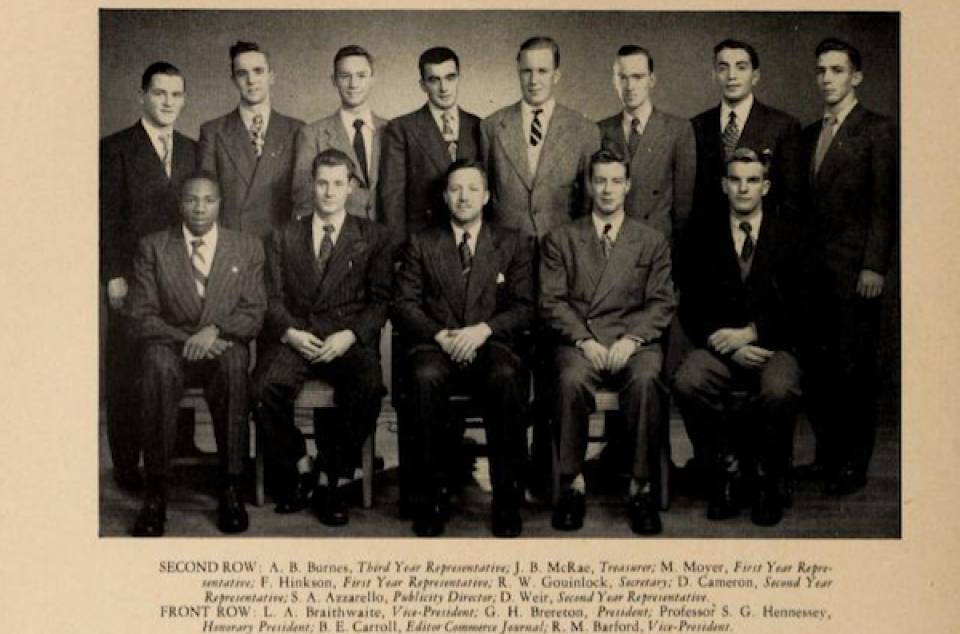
526 119
743 113
336 220
643 116
739 237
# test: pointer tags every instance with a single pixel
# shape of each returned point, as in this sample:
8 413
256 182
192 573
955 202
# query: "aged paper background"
58 576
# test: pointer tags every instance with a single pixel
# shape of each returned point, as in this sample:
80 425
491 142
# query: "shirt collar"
844 108
742 109
615 221
474 230
209 238
755 219
364 114
547 108
336 220
154 132
247 112
437 114
643 116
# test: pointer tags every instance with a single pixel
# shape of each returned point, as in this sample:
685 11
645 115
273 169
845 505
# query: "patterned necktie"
634 141
326 248
197 262
607 241
361 149
166 148
731 134
449 136
747 251
256 134
466 257
827 131
536 128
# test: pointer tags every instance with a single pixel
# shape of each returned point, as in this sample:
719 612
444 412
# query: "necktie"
731 134
197 262
536 128
166 147
634 141
827 131
326 248
360 148
256 134
466 257
747 251
607 241
449 136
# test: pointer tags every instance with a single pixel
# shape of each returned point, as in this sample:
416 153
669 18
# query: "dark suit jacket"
766 129
535 204
774 296
136 197
165 305
352 295
412 168
326 133
430 295
854 197
583 296
662 171
255 194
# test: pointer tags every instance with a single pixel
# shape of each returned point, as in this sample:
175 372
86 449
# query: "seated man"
741 305
328 281
606 296
464 292
197 300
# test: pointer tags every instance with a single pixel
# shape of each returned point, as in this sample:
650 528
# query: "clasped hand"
611 359
317 350
462 344
205 344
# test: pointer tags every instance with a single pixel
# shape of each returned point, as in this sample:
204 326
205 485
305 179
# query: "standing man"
660 148
418 147
742 121
464 294
606 296
329 286
141 169
852 160
251 149
536 150
353 129
197 301
742 309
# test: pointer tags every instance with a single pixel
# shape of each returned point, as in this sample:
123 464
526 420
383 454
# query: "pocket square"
500 278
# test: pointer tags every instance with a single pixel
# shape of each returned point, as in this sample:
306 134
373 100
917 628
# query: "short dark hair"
738 45
437 55
539 42
834 44
632 49
748 155
242 47
464 164
160 68
606 156
352 50
331 157
200 175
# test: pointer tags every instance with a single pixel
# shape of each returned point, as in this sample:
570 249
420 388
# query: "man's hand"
869 284
750 356
620 352
305 343
726 340
198 345
595 353
116 292
466 342
219 347
334 346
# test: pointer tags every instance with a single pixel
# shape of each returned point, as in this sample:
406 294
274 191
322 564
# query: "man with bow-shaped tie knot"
197 300
464 294
328 279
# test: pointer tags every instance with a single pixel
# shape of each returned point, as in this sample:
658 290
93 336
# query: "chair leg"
369 448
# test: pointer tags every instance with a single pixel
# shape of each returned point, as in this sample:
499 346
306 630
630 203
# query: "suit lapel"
752 134
145 156
338 137
712 145
177 262
378 125
554 143
349 244
588 253
512 140
273 146
620 259
654 137
445 262
837 152
484 270
221 270
765 241
239 147
431 141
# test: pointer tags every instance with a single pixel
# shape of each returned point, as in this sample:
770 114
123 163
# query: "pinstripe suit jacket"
165 305
353 293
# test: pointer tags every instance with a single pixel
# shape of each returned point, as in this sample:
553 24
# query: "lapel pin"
500 278
234 269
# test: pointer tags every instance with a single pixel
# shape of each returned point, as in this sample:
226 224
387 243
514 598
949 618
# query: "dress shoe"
231 514
129 480
767 504
152 517
723 503
505 521
429 520
569 512
333 509
298 498
644 517
845 480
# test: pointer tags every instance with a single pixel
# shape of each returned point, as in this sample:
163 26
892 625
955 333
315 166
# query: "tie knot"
466 237
447 116
745 227
635 124
537 112
829 120
357 124
257 121
328 229
606 230
733 117
196 244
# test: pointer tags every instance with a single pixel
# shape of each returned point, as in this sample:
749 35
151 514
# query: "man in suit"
660 147
536 150
353 129
328 282
606 297
740 120
464 293
141 169
851 155
198 299
251 148
742 308
419 146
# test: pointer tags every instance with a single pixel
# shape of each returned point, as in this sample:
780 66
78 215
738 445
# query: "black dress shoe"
231 513
644 517
767 505
334 510
129 480
723 503
845 480
569 512
505 521
429 520
298 498
152 517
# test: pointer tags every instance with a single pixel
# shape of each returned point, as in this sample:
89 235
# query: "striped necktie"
256 134
466 256
607 241
326 249
449 136
536 128
731 134
197 263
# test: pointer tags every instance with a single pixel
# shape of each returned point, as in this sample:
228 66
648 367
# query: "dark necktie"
536 128
466 257
360 149
196 262
607 241
326 248
634 141
731 134
747 251
256 134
